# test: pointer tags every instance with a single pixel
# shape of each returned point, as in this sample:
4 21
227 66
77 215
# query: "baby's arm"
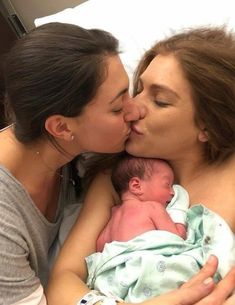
181 228
163 221
177 209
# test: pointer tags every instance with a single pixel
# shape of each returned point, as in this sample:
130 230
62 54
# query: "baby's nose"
172 192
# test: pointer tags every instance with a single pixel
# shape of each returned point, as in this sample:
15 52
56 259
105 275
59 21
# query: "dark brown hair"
55 69
207 57
128 167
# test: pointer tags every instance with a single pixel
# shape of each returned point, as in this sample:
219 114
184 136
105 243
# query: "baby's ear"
135 186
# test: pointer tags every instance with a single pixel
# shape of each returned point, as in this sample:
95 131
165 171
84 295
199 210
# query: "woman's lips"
136 130
128 133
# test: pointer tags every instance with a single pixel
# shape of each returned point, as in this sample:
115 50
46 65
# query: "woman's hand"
221 295
201 290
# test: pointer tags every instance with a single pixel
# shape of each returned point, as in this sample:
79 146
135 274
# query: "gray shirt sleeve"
26 240
17 278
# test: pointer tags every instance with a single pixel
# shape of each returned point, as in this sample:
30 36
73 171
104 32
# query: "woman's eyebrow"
163 88
118 95
159 87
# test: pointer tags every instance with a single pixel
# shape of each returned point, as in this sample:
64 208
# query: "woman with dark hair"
185 90
67 93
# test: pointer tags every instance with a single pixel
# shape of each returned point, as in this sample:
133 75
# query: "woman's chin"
133 149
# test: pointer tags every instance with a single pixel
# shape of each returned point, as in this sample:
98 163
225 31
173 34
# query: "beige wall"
29 10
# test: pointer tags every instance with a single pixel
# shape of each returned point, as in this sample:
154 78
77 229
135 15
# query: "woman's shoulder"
15 203
216 191
9 185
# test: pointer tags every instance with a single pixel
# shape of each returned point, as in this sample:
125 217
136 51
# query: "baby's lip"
168 201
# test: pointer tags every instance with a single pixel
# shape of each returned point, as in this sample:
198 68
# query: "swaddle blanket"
159 261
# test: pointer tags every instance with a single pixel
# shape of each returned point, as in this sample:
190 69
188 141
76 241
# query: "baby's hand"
181 230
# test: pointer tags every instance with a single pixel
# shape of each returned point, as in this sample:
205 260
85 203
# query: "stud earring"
72 137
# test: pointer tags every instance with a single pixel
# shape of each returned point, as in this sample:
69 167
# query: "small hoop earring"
72 137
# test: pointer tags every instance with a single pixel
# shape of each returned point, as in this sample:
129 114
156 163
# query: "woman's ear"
58 127
135 186
203 135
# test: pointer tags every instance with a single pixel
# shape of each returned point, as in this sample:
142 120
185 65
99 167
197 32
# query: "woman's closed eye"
162 104
117 111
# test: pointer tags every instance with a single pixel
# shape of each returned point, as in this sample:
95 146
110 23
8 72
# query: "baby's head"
148 179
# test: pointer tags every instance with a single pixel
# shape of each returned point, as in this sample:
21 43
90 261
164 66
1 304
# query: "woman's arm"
66 283
18 272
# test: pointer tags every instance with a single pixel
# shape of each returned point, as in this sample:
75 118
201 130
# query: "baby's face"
159 187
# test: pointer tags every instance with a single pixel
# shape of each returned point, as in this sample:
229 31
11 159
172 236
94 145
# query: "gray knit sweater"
26 237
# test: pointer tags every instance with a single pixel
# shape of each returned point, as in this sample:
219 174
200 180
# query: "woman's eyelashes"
161 103
117 111
118 107
154 95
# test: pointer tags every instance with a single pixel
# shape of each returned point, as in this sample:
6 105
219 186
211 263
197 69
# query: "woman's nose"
133 111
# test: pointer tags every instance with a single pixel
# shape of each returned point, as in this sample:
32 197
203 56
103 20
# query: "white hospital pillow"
139 23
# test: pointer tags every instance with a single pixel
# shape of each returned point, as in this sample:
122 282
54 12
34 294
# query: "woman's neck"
188 170
40 159
37 167
212 185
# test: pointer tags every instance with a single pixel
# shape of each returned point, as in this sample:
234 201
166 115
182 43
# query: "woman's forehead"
116 82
